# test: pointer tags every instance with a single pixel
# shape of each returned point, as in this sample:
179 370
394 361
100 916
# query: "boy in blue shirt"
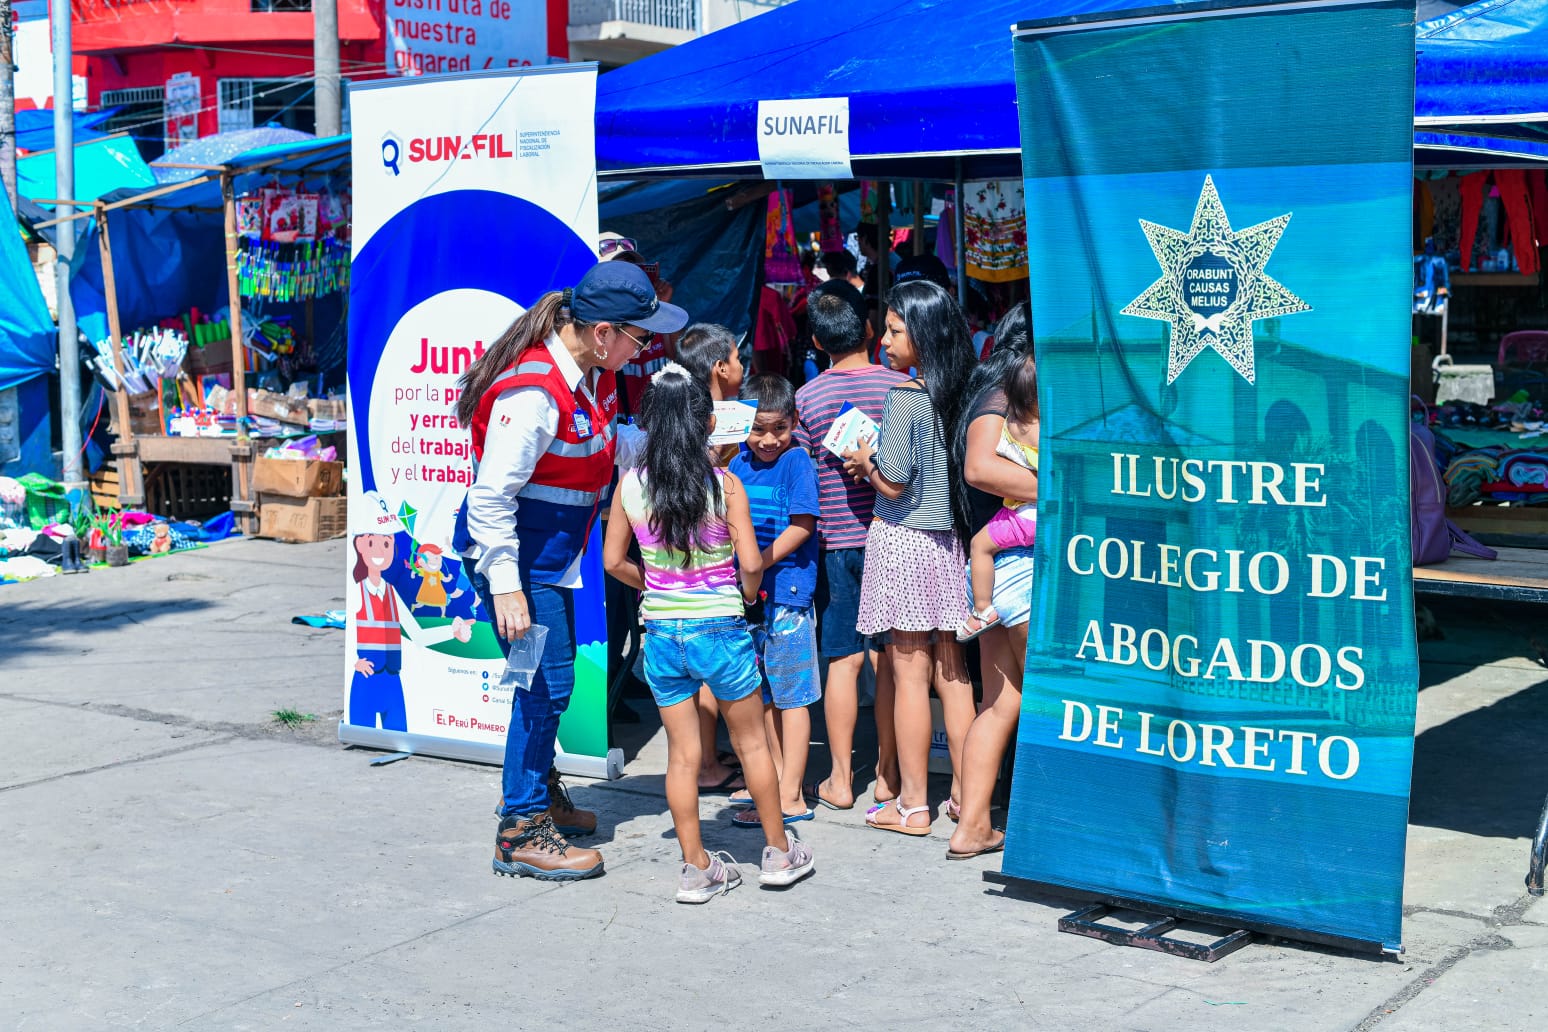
781 485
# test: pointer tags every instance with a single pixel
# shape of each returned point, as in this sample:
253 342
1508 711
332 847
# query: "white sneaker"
700 885
786 867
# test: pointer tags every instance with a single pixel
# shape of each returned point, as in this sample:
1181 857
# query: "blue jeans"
534 727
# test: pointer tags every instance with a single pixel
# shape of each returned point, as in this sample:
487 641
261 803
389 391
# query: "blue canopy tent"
930 84
35 127
1482 79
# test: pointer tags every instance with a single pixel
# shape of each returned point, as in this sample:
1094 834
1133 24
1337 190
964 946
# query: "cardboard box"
301 519
298 478
325 408
278 406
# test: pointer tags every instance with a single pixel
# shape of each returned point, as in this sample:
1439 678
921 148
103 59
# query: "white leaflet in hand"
849 429
733 422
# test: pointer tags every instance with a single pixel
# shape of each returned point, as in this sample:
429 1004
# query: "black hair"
945 348
868 232
1012 343
1021 390
839 264
836 312
772 394
701 347
680 484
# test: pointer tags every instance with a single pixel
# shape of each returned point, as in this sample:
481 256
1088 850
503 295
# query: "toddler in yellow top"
1015 525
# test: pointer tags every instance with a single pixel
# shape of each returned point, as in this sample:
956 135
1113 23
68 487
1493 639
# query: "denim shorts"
716 651
838 602
1012 586
787 645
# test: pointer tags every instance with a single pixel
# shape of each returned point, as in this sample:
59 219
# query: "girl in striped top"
690 520
914 550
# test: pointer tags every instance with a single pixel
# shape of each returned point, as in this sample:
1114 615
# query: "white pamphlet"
849 429
733 422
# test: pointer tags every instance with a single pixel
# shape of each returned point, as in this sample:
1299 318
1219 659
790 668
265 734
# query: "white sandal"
902 827
987 617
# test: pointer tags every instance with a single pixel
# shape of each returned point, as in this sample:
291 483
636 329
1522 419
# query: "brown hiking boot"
531 847
567 818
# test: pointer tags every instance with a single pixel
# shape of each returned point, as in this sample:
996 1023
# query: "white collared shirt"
523 422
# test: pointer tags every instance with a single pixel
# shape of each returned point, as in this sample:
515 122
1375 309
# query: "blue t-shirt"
777 491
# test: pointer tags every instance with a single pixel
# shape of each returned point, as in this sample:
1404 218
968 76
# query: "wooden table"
1518 575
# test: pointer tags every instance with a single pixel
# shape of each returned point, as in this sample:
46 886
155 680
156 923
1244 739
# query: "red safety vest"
376 622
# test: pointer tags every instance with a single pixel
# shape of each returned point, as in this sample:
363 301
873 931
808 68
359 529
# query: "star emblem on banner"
1212 286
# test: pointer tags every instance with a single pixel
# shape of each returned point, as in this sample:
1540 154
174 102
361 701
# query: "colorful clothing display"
994 225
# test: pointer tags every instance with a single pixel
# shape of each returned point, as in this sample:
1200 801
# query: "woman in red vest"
541 405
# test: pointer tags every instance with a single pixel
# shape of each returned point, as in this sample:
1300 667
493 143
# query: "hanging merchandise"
149 357
294 245
831 238
946 233
994 226
297 271
781 260
868 200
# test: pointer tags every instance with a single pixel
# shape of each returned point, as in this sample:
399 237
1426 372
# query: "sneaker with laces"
700 885
786 867
567 817
531 847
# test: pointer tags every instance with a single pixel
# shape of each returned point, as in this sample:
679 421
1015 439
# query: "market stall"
202 294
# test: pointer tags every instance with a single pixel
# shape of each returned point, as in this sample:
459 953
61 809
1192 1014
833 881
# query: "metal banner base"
1087 921
602 768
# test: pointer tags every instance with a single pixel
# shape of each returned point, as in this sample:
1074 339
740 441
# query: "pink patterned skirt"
912 580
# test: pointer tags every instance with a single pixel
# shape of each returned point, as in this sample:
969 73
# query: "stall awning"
1483 73
928 81
101 166
35 127
26 328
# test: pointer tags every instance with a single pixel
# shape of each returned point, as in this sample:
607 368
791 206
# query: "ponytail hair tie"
670 369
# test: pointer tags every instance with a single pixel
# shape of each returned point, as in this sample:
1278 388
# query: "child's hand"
858 461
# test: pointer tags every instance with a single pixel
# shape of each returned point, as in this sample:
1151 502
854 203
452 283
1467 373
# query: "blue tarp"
1483 70
101 166
26 329
35 128
930 80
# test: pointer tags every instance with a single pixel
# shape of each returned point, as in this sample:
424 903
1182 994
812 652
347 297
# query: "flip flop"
739 803
725 785
749 818
811 792
998 847
902 827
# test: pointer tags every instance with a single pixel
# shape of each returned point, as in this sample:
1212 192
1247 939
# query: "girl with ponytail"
699 563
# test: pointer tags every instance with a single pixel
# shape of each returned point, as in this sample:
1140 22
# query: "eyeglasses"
639 345
611 244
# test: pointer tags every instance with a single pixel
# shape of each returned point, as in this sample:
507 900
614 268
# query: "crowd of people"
754 563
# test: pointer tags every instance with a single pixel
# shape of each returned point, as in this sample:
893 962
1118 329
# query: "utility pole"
64 245
325 67
7 104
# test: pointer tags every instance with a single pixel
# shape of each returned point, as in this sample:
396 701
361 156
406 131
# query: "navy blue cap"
923 267
617 292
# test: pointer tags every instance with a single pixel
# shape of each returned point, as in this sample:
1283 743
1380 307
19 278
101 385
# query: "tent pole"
242 502
919 216
130 482
961 245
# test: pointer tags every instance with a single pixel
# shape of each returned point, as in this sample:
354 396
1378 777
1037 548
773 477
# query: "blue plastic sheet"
26 329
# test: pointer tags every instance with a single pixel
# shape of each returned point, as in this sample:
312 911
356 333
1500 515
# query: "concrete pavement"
176 859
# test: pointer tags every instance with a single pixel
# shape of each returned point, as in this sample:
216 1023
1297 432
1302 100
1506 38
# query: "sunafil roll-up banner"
1221 677
473 196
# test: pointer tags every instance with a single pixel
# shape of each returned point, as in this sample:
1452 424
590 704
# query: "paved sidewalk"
174 858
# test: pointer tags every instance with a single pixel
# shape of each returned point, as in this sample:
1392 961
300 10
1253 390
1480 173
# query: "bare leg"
982 551
956 694
795 739
682 727
744 717
711 771
912 662
886 734
772 729
841 710
1004 653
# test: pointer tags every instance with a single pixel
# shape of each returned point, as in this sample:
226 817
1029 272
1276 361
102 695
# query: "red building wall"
143 43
